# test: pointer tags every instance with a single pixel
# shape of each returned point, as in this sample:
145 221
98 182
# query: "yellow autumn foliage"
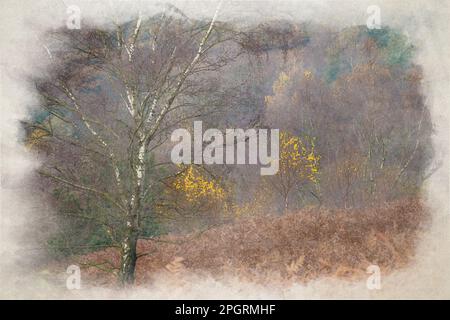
298 157
280 83
35 137
308 74
195 186
277 87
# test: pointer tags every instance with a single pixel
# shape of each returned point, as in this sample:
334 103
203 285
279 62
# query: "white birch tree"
113 97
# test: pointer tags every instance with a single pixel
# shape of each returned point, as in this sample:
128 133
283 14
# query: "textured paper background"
22 54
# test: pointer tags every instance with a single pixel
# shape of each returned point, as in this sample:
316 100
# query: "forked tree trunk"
128 260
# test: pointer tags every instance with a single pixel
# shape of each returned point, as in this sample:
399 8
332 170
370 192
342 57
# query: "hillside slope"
300 246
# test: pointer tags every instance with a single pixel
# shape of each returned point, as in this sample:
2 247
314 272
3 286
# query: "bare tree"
111 101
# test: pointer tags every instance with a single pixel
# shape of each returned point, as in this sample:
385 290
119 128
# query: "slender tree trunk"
128 259
286 203
129 244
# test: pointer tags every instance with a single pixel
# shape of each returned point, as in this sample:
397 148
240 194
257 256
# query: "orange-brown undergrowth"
300 246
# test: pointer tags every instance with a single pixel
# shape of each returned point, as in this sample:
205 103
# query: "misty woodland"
354 149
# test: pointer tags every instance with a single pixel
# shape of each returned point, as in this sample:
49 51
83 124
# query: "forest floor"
300 246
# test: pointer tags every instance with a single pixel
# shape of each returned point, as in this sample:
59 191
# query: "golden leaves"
196 186
308 74
278 86
280 83
36 137
298 156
